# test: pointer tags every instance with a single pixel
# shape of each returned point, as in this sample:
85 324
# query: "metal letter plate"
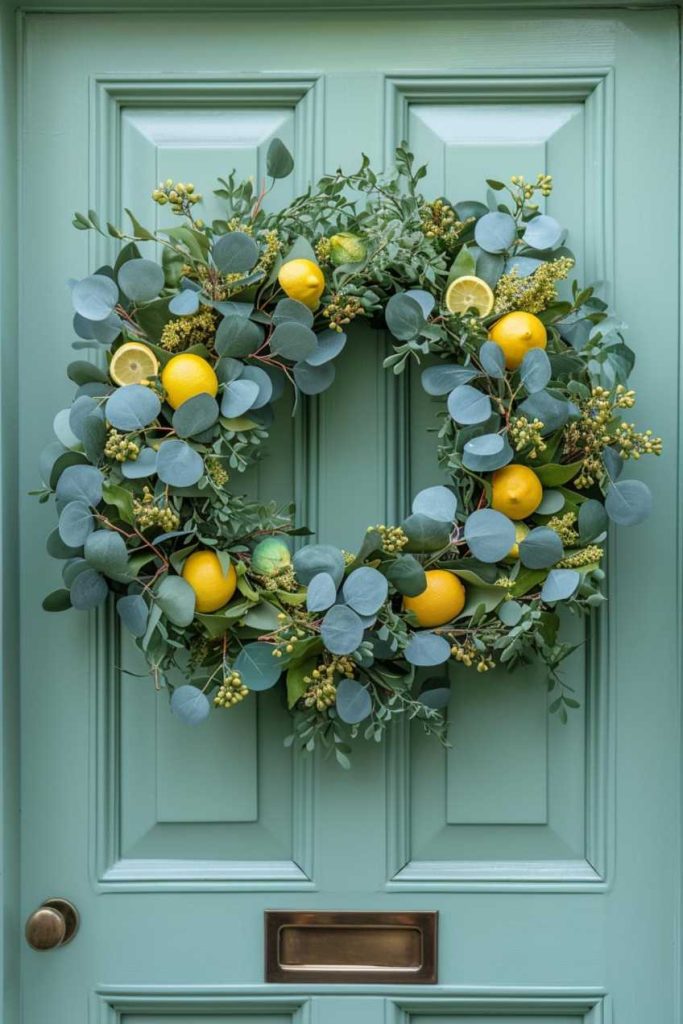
351 947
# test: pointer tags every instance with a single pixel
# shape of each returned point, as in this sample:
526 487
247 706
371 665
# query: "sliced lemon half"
132 364
469 293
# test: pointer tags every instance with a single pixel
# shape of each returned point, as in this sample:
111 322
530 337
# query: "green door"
549 851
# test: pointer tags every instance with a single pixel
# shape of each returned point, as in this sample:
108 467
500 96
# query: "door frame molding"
12 16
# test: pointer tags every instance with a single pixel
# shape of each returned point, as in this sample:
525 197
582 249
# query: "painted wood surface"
550 852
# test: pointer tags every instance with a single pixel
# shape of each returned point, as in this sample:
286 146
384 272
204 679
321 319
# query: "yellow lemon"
441 600
188 375
517 333
521 531
302 280
517 491
469 293
133 363
212 587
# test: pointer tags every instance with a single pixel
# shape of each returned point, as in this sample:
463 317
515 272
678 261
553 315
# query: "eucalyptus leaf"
95 297
80 483
435 694
425 534
195 415
185 303
133 612
592 520
179 465
176 598
88 590
535 371
404 317
291 310
407 575
257 665
495 232
551 503
312 379
441 379
353 703
492 359
145 465
132 407
141 280
263 382
365 590
189 704
486 453
330 344
293 341
543 233
238 397
489 534
341 630
235 253
238 336
105 550
321 593
439 503
279 161
628 502
560 585
468 405
76 523
317 558
427 649
541 548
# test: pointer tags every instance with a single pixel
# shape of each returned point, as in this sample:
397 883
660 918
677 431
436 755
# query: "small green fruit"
270 556
347 248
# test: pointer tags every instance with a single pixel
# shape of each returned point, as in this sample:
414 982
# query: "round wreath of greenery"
531 390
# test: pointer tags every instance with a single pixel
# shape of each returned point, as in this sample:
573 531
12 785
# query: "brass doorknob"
53 924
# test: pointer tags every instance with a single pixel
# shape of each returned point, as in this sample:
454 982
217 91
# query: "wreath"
531 390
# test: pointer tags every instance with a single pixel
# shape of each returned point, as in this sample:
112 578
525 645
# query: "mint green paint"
552 854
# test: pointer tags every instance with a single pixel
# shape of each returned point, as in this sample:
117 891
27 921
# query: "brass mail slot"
348 946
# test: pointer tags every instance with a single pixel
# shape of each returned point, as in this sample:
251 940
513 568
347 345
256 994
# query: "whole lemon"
270 556
212 587
517 491
517 333
521 531
302 280
187 375
442 599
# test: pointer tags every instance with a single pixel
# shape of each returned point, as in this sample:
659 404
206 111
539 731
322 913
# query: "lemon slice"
132 364
469 293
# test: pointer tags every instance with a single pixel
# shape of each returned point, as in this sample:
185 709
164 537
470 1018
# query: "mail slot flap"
350 946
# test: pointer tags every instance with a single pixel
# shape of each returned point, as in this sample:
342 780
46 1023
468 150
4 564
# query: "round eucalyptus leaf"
133 612
257 665
524 265
81 371
80 483
313 380
72 568
341 630
88 590
176 598
317 558
238 336
94 297
48 457
185 303
235 253
439 380
551 503
105 550
82 408
427 649
365 590
104 332
435 694
63 462
495 232
560 585
490 267
404 317
145 465
628 502
76 523
179 465
264 383
196 415
279 161
492 359
468 405
437 502
543 233
291 310
330 344
63 431
56 547
540 549
94 435
57 601
470 208
141 280
190 705
489 534
510 613
293 341
592 520
132 407
238 397
424 533
552 412
354 703
613 463
407 575
425 300
535 371
487 452
321 593
228 369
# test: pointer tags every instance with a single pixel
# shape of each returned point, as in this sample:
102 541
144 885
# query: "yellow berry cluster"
120 448
148 514
440 221
180 196
291 632
467 654
525 433
505 582
341 310
231 691
322 692
586 556
186 331
218 475
631 443
543 184
283 579
394 538
322 249
532 293
564 528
